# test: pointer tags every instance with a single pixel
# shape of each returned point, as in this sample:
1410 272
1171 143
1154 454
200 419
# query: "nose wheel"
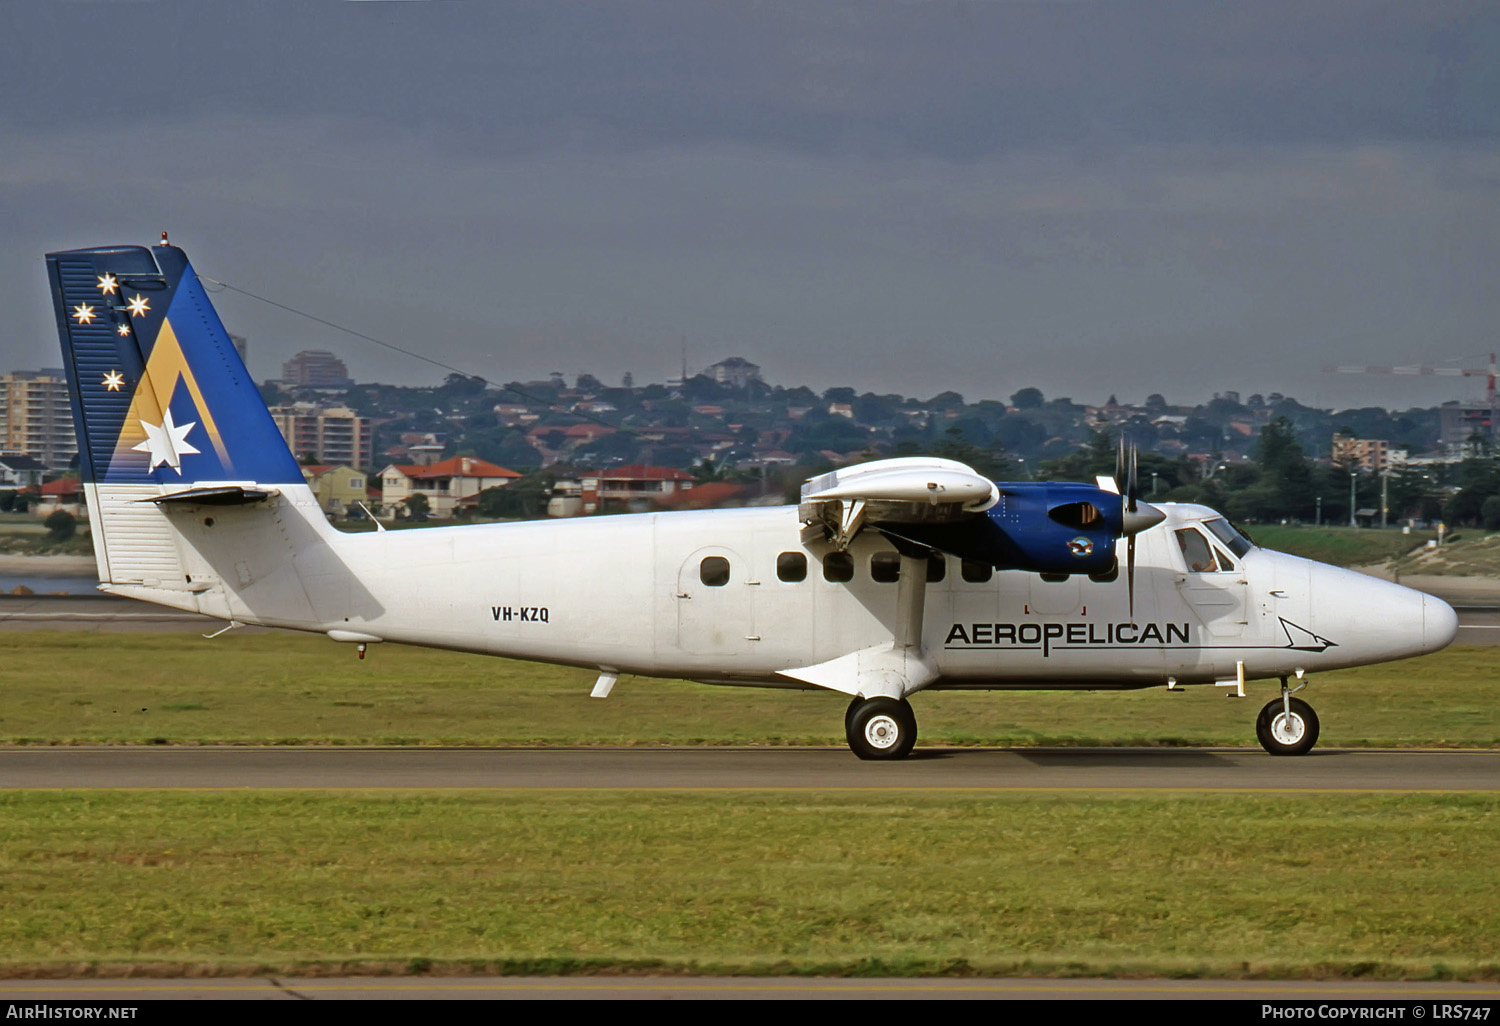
880 728
1287 726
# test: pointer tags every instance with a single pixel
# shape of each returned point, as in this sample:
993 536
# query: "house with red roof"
64 494
632 484
450 485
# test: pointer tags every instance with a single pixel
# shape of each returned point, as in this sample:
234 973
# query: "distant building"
1458 422
36 417
315 368
18 470
449 486
330 435
735 371
62 494
1372 454
634 483
338 488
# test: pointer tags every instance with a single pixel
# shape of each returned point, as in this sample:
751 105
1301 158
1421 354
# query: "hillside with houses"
472 448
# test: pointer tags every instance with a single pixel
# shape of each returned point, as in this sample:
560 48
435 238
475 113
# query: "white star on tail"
167 443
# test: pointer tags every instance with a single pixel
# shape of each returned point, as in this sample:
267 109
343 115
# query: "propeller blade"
1130 575
1132 488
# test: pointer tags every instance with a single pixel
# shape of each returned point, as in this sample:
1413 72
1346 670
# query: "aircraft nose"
1439 624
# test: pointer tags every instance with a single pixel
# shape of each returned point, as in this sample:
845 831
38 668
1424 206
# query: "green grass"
754 882
24 535
295 689
1341 546
1467 552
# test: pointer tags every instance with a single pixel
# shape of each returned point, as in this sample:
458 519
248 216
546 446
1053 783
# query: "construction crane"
1468 372
1458 421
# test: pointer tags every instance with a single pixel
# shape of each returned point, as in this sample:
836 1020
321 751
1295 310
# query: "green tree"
988 459
1489 513
1285 488
61 525
525 498
1478 479
417 506
1027 399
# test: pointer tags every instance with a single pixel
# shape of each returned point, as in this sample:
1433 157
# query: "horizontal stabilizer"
222 495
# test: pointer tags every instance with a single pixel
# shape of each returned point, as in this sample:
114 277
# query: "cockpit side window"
1232 539
1196 551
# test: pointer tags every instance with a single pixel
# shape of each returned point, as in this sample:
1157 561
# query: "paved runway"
1097 770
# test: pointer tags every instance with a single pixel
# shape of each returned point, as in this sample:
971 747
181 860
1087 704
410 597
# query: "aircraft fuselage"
737 596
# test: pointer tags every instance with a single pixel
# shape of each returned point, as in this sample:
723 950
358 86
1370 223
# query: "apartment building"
35 416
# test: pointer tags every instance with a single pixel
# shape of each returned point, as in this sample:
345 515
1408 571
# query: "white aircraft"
890 578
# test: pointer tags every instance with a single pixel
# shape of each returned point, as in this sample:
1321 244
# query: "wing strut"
895 670
911 603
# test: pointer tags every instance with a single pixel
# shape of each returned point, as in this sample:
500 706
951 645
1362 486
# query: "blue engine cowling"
1043 527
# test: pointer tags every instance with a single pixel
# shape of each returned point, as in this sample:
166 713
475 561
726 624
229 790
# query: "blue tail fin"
160 396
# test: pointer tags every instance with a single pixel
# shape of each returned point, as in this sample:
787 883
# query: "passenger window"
976 573
937 567
885 567
714 571
1195 550
791 567
838 567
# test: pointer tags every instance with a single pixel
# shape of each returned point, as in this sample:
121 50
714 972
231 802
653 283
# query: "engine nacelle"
1043 527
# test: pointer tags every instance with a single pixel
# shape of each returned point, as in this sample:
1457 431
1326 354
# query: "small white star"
122 329
138 306
107 284
84 314
113 380
167 443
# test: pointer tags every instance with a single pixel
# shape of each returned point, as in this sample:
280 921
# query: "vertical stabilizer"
162 403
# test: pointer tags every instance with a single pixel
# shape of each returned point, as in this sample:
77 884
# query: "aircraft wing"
905 490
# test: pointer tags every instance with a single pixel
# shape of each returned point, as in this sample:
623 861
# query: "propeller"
1135 516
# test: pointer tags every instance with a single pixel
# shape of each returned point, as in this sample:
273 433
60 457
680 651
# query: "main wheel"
854 705
1283 735
881 728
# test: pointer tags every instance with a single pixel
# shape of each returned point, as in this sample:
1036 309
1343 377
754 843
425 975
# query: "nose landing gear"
1287 725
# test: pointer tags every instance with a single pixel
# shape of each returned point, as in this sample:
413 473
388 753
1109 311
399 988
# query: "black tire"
881 728
1274 735
854 704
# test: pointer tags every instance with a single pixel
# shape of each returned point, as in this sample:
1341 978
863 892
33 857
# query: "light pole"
1352 521
1319 521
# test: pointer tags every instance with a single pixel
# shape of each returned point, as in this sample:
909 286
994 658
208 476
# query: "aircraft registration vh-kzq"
889 578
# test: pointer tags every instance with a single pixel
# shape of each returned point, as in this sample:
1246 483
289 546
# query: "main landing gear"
880 728
1287 725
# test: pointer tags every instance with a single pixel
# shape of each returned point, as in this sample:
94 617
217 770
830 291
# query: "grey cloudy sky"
1092 198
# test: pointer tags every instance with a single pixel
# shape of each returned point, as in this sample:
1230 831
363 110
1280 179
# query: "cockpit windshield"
1225 532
